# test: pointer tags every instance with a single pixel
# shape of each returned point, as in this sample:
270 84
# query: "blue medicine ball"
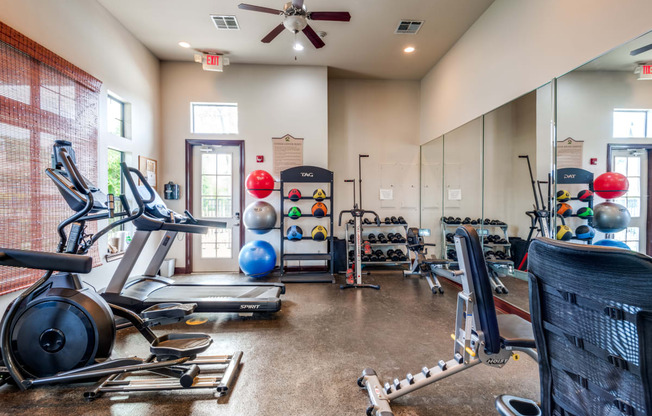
257 258
612 243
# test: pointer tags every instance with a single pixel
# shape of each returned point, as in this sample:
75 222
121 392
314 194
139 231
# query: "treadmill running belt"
181 293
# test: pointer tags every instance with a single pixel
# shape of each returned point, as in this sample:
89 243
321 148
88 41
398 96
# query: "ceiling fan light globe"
295 23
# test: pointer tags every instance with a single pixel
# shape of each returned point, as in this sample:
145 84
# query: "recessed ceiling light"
298 47
409 49
184 44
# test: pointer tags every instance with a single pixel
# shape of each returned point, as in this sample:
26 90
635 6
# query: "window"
42 98
629 164
214 118
115 182
116 116
632 123
216 201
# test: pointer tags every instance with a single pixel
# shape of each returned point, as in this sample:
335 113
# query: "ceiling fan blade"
333 16
253 8
297 3
313 37
274 33
641 50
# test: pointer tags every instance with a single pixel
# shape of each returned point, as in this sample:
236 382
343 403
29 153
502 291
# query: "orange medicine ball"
319 209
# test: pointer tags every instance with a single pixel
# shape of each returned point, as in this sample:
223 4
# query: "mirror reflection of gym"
605 107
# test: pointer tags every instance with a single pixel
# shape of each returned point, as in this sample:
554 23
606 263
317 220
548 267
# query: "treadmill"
142 292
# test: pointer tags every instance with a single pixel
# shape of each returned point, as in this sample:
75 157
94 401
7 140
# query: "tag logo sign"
307 174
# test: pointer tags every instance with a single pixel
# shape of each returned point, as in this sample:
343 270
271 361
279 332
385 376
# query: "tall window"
115 180
42 98
630 166
632 123
116 116
214 118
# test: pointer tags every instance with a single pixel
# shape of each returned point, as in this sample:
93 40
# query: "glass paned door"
633 164
216 195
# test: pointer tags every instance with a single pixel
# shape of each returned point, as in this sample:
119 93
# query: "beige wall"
381 119
272 101
85 34
517 46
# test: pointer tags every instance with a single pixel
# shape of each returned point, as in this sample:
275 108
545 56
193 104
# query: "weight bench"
480 335
592 319
420 266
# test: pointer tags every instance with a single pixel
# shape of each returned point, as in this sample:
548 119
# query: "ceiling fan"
296 20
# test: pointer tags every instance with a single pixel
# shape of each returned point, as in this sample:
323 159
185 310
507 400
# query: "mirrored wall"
544 152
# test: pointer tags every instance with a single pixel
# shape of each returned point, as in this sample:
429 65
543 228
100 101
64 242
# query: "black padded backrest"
587 306
477 271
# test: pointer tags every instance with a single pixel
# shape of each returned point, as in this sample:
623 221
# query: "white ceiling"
365 47
619 58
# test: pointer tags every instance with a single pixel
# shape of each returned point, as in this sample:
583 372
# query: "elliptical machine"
420 265
58 331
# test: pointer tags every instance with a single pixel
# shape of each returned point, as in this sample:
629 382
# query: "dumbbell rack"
351 246
305 175
577 176
445 227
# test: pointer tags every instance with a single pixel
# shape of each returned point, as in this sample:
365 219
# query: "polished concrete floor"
305 359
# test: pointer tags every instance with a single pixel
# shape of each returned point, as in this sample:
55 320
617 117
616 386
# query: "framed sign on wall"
148 167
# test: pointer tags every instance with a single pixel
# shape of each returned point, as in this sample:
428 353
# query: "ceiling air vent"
225 22
409 27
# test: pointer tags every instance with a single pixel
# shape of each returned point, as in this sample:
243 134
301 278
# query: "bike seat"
178 345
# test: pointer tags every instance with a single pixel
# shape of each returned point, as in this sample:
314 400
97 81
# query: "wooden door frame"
190 144
648 148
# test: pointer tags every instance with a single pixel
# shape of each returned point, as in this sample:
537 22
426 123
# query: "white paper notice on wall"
454 194
386 194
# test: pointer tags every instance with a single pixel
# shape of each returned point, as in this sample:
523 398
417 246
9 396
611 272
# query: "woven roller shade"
42 98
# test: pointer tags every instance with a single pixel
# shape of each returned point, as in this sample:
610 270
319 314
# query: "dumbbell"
394 220
501 255
401 220
351 238
393 255
365 258
372 238
388 220
489 254
451 254
450 237
400 254
381 238
466 220
450 220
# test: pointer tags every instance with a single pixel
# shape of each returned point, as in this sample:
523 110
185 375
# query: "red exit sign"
646 69
213 63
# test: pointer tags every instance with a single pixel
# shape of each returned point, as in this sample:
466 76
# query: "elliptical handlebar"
127 171
75 177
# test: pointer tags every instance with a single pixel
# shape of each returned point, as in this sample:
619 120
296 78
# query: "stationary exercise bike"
420 266
58 331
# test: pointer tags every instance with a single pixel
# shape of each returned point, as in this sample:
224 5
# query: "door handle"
236 216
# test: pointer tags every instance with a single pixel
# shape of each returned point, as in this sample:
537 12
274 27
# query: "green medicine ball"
294 213
585 212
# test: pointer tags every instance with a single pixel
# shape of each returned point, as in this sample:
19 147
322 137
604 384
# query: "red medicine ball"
259 183
611 185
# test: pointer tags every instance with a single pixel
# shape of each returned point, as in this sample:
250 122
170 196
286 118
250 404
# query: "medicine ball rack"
306 175
577 176
350 245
